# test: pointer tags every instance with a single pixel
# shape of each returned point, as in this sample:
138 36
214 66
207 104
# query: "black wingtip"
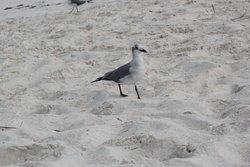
94 81
98 79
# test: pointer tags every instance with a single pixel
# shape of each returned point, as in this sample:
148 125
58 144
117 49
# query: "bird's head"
137 49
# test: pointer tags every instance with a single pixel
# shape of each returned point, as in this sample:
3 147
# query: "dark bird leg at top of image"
77 3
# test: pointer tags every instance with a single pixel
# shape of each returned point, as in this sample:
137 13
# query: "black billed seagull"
76 3
129 73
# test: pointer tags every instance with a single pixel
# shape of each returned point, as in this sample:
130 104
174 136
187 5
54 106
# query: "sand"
195 106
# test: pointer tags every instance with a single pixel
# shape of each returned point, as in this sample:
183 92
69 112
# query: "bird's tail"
97 79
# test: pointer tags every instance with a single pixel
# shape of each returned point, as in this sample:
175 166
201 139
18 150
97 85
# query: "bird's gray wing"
118 73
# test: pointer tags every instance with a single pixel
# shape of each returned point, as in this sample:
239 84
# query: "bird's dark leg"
123 95
77 9
137 92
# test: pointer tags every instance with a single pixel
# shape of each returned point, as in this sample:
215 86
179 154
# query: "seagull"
76 3
129 73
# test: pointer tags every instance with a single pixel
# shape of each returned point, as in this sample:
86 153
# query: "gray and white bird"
76 3
129 73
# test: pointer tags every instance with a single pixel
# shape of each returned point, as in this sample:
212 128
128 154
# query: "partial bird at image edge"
76 3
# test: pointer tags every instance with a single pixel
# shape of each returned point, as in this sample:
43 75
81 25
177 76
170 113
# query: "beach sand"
195 106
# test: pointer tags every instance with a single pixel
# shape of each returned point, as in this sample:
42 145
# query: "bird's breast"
137 69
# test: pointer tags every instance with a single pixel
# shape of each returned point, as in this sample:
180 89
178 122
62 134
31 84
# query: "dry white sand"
195 106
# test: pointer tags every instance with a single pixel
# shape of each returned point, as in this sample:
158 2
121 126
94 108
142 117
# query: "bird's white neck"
136 53
137 67
137 59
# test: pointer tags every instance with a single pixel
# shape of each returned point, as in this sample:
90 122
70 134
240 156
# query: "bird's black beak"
143 50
